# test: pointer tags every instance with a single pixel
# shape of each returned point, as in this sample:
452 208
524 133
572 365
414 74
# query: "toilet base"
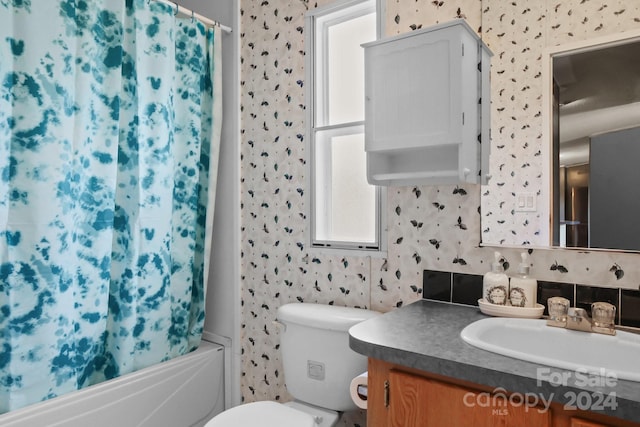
324 417
272 414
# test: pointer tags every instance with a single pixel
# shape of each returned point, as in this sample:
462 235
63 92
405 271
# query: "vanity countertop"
425 335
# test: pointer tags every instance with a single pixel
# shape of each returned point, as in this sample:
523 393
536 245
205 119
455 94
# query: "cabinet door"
424 115
413 91
417 401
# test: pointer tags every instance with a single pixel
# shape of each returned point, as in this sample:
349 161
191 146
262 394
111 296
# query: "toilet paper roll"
358 390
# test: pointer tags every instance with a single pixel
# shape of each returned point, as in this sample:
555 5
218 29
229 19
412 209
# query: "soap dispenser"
495 284
523 290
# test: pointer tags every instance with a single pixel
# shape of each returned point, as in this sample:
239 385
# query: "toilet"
318 368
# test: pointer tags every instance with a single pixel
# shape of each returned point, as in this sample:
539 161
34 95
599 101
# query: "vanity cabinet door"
418 401
401 396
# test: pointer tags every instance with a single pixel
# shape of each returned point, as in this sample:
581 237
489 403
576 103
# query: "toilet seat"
264 414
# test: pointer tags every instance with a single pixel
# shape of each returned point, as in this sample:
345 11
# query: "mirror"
595 128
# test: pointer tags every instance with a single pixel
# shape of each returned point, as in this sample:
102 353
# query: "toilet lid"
263 414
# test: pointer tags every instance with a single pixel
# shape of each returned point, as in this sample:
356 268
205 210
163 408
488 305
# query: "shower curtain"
110 119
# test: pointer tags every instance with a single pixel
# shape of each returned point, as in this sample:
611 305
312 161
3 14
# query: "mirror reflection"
596 146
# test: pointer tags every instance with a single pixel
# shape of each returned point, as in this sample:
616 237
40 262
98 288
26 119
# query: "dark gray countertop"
425 335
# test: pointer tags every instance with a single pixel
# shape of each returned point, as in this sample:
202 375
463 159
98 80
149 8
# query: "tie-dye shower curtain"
109 139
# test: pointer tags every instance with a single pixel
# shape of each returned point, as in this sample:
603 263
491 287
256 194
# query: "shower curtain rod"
186 12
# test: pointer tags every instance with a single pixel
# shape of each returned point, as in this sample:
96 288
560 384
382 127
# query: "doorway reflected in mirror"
596 146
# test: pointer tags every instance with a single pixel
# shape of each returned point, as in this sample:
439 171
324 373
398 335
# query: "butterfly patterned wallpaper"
429 227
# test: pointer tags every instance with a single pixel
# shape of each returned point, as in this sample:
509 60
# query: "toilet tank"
318 363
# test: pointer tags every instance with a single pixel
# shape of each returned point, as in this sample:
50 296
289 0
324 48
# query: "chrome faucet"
577 319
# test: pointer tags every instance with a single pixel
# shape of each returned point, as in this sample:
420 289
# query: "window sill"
339 251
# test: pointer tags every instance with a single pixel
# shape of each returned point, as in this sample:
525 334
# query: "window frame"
358 8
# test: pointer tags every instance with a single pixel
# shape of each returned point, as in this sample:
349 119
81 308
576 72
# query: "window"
345 210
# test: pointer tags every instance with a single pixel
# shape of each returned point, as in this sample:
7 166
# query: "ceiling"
599 91
598 78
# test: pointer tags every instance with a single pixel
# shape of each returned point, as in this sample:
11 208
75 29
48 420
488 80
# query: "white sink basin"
533 341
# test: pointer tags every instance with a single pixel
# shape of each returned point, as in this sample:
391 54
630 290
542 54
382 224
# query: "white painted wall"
223 292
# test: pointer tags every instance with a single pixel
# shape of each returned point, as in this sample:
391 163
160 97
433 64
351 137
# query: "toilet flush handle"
280 325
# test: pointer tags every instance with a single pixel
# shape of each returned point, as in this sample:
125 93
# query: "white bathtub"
183 392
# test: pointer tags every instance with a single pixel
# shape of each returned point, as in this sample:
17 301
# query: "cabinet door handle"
386 394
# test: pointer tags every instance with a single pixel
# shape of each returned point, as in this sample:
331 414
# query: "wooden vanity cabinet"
404 397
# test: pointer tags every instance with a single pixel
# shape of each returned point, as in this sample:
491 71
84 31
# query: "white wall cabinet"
427 107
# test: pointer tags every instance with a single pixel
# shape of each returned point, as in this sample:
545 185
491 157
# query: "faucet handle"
558 310
603 315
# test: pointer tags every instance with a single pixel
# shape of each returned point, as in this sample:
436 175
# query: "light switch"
526 202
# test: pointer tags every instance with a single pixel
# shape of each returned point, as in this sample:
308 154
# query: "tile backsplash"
460 288
630 300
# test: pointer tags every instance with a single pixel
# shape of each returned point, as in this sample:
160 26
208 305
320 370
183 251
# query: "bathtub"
183 392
